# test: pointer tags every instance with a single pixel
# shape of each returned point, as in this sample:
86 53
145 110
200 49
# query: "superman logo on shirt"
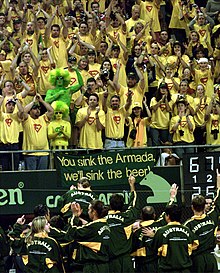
202 32
183 123
45 69
93 73
117 119
204 80
8 121
56 43
149 8
37 127
72 81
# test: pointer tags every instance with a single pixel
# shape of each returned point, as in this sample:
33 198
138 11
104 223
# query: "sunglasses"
58 112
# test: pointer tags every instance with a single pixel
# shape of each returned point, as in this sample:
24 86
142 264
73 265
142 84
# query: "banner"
106 168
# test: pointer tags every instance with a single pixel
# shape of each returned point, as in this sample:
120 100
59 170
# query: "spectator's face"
90 23
201 20
115 23
177 49
91 58
58 115
83 29
199 54
115 103
27 58
186 73
92 86
23 68
55 32
137 111
168 71
194 37
154 49
137 51
2 20
2 57
95 7
10 107
163 91
135 13
44 55
93 101
17 26
35 113
181 107
164 36
106 65
103 48
200 90
30 27
83 64
203 66
69 21
183 87
138 28
9 88
131 82
115 53
41 23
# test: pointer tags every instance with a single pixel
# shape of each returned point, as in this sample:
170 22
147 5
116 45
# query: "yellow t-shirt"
205 78
60 140
170 84
43 75
10 126
35 135
211 125
200 114
149 10
204 34
122 79
160 118
94 69
90 137
137 94
113 31
171 60
115 120
32 40
188 98
183 126
58 51
130 23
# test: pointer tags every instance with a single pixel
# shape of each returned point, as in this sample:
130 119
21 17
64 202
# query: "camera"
29 6
215 133
105 73
181 132
133 133
181 97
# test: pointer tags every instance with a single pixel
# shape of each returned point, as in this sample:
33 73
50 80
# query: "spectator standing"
35 134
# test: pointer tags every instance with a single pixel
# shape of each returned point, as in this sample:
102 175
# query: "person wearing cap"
160 106
115 120
35 134
138 125
204 75
182 127
59 130
10 127
212 119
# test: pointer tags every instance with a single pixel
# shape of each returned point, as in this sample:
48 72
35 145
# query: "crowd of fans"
150 65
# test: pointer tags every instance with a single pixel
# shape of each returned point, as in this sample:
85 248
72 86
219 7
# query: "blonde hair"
38 225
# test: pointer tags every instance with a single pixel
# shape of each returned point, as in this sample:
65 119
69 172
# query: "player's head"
116 202
148 213
198 203
83 183
42 210
173 213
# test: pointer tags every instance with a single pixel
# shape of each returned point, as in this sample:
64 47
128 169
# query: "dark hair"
8 81
158 95
115 96
57 222
111 73
94 3
83 22
55 25
91 80
117 201
41 210
181 47
198 203
42 18
148 213
99 207
94 95
174 212
84 181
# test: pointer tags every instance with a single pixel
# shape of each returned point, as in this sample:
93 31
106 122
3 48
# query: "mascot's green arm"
52 95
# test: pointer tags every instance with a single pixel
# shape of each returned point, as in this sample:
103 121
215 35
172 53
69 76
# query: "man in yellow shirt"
10 124
35 134
91 121
115 120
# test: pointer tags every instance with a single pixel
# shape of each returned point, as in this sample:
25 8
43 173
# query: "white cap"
203 60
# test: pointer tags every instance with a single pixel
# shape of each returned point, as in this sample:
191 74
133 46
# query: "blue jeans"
109 144
159 136
36 162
